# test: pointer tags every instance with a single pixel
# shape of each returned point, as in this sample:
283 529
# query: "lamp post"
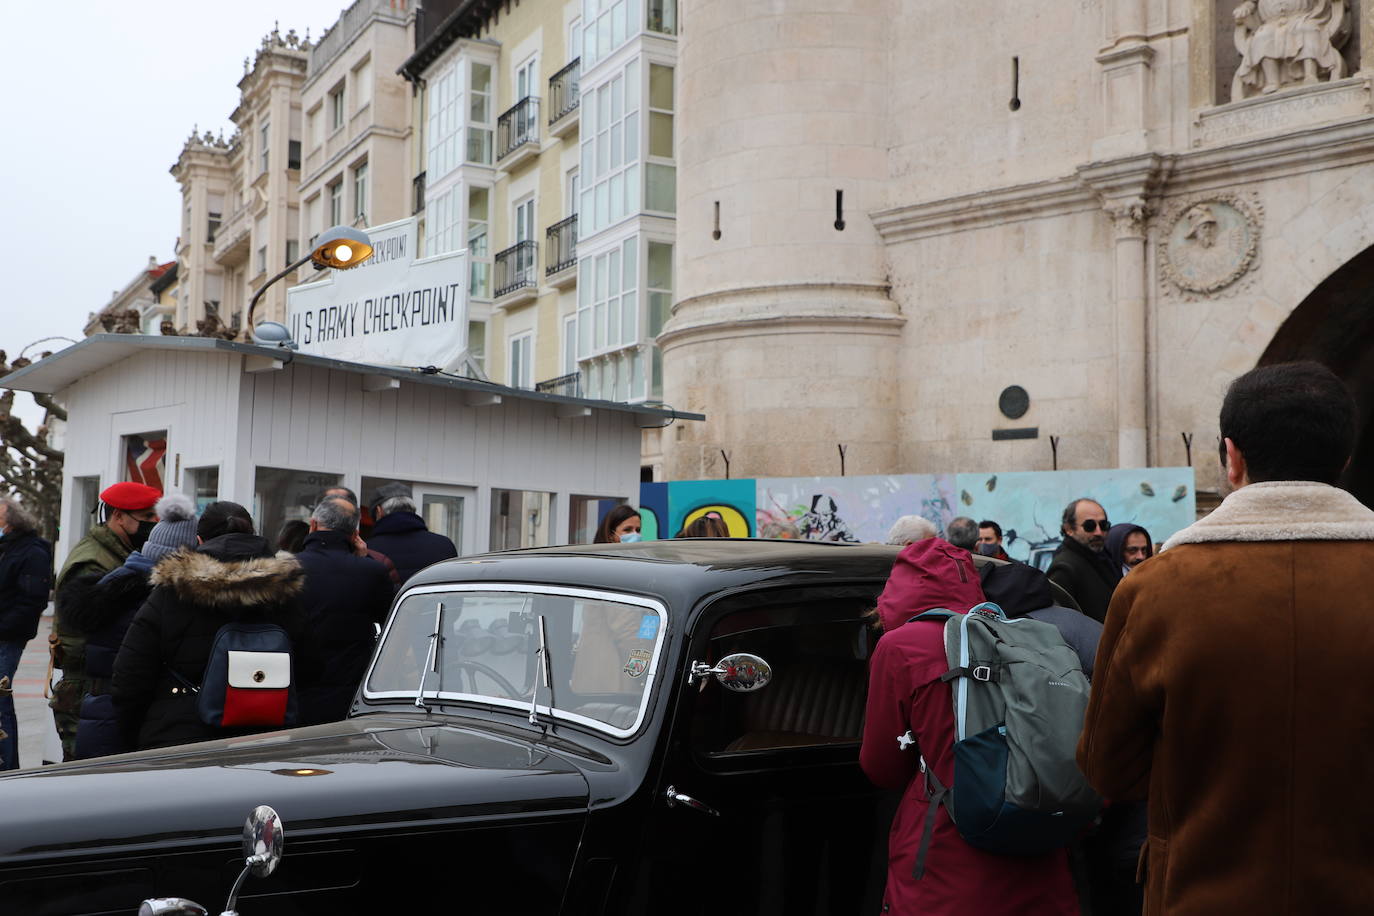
340 247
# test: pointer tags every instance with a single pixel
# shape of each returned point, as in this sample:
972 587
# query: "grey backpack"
1019 700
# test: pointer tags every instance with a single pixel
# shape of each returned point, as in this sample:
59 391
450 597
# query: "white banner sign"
394 309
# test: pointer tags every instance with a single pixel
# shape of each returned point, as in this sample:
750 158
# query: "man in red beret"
129 518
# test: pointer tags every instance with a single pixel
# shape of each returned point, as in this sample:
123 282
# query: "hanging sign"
394 309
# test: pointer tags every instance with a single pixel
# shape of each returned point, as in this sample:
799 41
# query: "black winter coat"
403 537
102 609
1089 577
345 596
231 578
25 579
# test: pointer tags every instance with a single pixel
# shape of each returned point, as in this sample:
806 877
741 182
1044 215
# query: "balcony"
231 239
560 253
569 385
516 271
517 133
564 100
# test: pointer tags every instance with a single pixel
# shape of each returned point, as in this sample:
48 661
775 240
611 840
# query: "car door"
760 801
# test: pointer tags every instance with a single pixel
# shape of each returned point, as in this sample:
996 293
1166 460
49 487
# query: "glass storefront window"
281 495
202 485
520 518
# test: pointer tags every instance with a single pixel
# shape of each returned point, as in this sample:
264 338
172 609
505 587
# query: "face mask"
631 537
140 536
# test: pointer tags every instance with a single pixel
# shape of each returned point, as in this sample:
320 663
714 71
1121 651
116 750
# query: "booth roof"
99 351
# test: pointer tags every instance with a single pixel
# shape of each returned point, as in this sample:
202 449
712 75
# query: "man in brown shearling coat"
1235 675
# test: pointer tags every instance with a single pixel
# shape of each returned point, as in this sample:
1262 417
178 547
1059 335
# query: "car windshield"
602 651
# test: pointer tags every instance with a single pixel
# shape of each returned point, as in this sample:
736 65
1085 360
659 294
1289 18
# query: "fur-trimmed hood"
202 579
1282 510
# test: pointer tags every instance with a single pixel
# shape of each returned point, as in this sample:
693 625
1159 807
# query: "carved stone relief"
1209 241
1285 43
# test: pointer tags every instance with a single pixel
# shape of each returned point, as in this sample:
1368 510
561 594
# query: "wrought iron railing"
563 90
560 246
518 126
417 200
515 268
569 385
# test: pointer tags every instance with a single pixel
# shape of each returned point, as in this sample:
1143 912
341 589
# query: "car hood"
368 773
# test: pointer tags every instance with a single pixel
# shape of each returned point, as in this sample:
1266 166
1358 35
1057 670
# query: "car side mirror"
741 672
263 837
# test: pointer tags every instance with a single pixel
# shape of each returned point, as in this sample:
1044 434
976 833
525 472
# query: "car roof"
680 571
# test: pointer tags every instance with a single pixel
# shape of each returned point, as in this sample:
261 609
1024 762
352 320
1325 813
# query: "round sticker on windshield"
638 663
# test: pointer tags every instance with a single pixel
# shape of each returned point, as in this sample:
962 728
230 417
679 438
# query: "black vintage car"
663 727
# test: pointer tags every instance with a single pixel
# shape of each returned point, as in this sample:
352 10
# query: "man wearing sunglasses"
1081 564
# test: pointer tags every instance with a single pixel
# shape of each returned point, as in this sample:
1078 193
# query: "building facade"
357 121
547 151
1014 238
150 296
241 218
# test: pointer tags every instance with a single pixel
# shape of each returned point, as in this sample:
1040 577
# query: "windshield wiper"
431 657
546 672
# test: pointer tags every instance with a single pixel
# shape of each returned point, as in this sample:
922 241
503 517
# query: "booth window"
202 485
520 518
283 494
585 514
145 458
87 500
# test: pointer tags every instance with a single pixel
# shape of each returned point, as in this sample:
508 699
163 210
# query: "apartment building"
151 293
357 121
545 147
240 204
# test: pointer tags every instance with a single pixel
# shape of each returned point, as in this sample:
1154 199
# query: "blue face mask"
631 537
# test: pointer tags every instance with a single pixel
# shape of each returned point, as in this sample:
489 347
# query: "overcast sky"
98 99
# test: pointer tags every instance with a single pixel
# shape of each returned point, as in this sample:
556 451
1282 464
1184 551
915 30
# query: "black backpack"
248 678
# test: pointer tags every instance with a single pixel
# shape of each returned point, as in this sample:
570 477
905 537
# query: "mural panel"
851 509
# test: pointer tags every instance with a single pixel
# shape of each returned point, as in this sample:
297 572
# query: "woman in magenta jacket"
910 715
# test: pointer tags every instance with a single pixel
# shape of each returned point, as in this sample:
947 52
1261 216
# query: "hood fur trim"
1282 510
201 579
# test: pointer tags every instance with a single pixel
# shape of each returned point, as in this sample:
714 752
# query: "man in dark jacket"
1081 566
401 534
129 519
25 579
345 596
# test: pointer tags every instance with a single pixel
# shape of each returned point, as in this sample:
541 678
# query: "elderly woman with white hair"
909 529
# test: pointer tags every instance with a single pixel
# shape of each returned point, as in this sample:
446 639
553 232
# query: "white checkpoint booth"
493 467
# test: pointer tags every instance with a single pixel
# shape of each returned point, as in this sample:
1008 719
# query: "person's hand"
359 545
1245 10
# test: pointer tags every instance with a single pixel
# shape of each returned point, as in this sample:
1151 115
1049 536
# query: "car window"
818 653
603 651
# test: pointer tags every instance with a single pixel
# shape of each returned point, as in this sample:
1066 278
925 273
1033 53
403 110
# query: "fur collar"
202 579
1282 510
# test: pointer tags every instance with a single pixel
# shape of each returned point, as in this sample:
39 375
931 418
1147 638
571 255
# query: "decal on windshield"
648 626
638 663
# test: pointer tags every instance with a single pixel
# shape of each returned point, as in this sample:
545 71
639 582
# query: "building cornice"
1100 185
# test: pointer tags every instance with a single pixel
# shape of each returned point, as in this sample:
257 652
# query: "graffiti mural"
1027 504
851 509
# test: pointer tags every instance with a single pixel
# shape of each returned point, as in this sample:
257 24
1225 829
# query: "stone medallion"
1209 241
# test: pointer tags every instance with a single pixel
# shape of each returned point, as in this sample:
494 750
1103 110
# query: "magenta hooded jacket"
905 694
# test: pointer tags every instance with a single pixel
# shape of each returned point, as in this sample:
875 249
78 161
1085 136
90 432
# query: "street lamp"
340 247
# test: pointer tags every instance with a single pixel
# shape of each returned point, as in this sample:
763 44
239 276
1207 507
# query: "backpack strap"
937 795
938 613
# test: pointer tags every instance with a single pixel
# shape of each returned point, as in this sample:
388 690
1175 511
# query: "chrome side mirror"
263 836
741 672
171 906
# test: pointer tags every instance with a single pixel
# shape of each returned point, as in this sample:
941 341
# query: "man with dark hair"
1081 566
345 596
962 532
990 540
1233 677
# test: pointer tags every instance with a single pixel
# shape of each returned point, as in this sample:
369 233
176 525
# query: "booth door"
450 511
